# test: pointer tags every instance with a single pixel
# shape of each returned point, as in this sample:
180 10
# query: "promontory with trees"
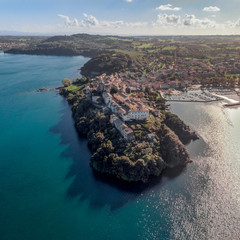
131 134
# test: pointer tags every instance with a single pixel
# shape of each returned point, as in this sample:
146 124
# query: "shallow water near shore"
49 191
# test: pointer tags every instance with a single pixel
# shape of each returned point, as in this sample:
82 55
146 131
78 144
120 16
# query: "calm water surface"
48 190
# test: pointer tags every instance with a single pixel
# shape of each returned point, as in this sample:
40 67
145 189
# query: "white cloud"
166 24
137 24
191 20
89 20
233 25
211 9
237 24
69 22
67 19
129 0
168 7
166 20
112 24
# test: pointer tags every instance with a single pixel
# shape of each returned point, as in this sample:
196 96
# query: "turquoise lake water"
48 190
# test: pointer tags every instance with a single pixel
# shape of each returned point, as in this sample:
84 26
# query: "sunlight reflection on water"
213 212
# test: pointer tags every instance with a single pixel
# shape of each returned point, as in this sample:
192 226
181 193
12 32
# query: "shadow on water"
100 190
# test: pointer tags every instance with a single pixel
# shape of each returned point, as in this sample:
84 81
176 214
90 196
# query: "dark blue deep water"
49 192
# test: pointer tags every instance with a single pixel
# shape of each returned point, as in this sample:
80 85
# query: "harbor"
204 96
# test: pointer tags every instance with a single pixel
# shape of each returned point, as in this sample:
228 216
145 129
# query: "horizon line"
34 34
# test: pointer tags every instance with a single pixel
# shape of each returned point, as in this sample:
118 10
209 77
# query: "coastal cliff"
183 131
173 150
136 160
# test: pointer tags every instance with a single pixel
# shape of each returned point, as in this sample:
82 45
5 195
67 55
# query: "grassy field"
130 53
75 87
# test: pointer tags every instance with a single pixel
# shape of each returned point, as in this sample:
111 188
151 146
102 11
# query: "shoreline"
232 105
201 101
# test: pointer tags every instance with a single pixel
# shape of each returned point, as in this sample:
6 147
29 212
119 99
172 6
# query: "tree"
128 90
113 90
66 82
70 97
141 94
96 139
147 89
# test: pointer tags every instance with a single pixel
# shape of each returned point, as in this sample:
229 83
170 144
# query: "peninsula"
131 134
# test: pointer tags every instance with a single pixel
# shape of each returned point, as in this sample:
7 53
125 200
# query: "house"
88 93
113 118
151 137
156 113
164 85
136 115
116 108
101 87
107 97
129 109
125 131
96 100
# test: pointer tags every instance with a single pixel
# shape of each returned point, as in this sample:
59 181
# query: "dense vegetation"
182 130
108 63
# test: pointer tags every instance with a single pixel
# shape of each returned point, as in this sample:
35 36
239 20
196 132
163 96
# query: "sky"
121 17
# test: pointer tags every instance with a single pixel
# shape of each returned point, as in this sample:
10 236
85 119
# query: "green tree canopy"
113 90
66 82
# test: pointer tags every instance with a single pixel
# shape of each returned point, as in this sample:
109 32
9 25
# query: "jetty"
191 100
232 104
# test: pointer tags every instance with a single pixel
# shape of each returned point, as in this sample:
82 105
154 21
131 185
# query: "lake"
49 191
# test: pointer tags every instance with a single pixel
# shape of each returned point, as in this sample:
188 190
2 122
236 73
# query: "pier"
201 101
232 104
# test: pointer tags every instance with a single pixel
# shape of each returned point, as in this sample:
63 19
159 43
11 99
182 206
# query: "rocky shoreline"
134 161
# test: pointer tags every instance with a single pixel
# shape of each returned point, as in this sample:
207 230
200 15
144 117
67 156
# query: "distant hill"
109 63
77 44
195 47
17 33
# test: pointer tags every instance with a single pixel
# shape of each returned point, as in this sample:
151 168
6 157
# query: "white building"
125 131
107 97
136 115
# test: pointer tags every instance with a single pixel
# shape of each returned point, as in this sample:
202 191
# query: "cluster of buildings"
126 132
124 107
9 45
231 66
167 72
177 73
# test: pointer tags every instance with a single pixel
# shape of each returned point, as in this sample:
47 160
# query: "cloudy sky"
122 17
